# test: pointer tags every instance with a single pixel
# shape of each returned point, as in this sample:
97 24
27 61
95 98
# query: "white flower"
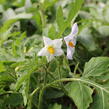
71 41
52 48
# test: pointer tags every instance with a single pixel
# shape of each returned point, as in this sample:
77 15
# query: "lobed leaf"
96 67
80 93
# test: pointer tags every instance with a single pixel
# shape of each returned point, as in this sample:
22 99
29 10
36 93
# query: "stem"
76 67
43 88
60 76
8 92
66 80
67 63
45 76
41 97
43 18
77 79
50 73
34 91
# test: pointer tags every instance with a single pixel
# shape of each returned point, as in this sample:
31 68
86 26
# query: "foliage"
28 81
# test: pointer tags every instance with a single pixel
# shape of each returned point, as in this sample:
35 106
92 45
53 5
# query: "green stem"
60 76
34 91
43 88
78 79
76 67
43 18
45 76
8 92
67 63
41 98
67 80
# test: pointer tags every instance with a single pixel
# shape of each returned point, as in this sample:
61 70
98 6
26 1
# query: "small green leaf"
14 99
101 100
52 32
2 67
37 18
80 94
85 37
48 3
7 25
52 93
55 106
21 80
75 7
60 18
96 66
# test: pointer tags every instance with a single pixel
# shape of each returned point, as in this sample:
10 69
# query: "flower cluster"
53 47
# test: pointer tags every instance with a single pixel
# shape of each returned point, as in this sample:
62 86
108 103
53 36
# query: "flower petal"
68 38
47 41
58 52
74 40
70 52
74 32
57 43
43 52
74 29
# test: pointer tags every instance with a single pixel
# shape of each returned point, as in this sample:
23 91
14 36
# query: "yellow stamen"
51 50
71 44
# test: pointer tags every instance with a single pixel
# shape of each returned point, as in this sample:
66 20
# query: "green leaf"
37 18
52 93
48 3
2 67
17 44
55 106
14 99
52 32
25 91
103 30
60 18
22 16
96 66
6 78
80 94
85 37
101 100
24 82
75 7
7 25
10 14
20 81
